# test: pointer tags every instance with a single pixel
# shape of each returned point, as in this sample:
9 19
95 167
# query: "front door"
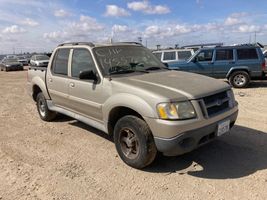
86 96
203 63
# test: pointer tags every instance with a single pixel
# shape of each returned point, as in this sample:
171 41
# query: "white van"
172 55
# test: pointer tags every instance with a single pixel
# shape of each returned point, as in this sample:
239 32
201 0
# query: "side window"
158 55
169 55
246 54
224 54
81 61
205 55
184 55
60 64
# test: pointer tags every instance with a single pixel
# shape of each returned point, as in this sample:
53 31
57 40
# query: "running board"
81 118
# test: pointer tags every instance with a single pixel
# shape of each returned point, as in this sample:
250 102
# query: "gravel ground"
66 159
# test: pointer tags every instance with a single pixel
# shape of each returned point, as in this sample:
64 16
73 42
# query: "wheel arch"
125 104
38 85
234 69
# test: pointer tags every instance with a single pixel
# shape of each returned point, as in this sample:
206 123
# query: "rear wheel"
44 113
134 142
239 79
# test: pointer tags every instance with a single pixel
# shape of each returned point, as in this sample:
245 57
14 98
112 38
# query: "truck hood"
174 85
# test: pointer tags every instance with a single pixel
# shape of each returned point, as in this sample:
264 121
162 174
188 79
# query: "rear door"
250 58
86 96
224 61
57 78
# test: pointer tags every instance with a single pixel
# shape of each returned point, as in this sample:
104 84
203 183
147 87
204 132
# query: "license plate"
223 127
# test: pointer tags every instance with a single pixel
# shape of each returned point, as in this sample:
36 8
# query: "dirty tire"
44 113
239 79
134 142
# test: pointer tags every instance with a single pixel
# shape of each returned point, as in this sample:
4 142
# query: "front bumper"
190 140
179 137
14 68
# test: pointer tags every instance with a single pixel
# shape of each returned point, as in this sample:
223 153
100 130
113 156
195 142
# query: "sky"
39 25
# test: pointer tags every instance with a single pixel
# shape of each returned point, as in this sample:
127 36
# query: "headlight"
179 110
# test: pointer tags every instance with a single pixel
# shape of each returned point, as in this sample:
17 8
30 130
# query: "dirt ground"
66 159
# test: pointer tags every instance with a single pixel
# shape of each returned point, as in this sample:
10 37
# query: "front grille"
215 104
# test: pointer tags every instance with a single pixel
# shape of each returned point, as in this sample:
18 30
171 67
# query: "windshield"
10 60
126 59
42 57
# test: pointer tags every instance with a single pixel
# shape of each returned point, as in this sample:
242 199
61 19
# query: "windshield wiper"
126 71
122 71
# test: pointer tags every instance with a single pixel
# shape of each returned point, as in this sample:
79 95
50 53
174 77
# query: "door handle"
50 80
72 85
231 62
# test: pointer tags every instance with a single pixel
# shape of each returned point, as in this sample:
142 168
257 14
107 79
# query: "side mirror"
88 75
194 59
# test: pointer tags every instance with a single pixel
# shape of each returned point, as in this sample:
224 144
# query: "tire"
44 113
239 79
134 142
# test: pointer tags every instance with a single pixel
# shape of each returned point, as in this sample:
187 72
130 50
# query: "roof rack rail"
137 43
76 43
251 44
203 45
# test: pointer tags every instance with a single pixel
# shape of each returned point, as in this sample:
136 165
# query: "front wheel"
134 142
239 79
44 113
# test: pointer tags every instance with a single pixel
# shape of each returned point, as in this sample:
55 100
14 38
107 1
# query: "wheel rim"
239 79
129 143
41 106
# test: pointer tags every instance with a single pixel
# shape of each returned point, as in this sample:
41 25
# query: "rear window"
184 55
246 54
60 64
169 55
224 54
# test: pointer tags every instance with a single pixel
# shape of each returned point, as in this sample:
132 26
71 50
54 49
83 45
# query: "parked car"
239 64
173 55
265 56
125 91
23 60
39 60
9 64
11 56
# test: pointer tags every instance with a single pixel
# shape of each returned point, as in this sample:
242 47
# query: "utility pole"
255 37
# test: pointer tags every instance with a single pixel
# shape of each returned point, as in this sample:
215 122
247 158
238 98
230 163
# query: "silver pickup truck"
125 91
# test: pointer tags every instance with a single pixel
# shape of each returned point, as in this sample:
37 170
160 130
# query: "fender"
130 101
41 84
237 68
